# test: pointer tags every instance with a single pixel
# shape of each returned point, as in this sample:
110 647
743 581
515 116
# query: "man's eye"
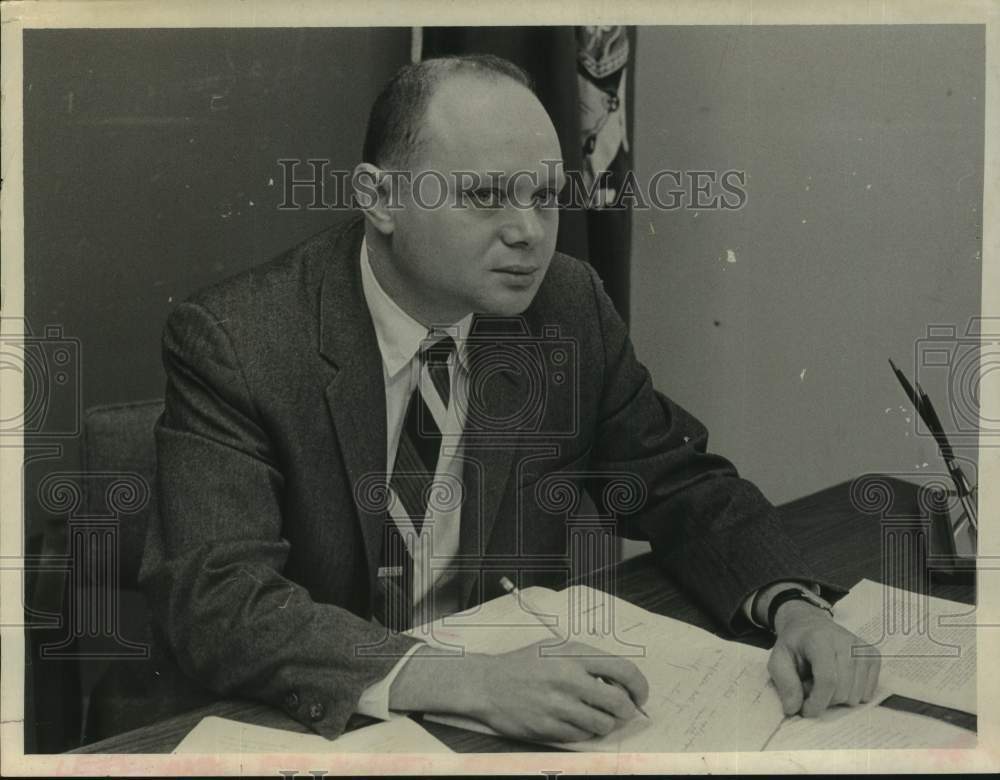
547 198
488 198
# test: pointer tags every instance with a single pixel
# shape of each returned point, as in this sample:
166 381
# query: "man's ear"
373 194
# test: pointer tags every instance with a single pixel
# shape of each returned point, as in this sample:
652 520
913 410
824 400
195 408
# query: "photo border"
18 16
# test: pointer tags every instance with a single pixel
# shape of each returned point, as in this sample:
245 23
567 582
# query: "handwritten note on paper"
923 656
705 694
868 728
221 735
717 702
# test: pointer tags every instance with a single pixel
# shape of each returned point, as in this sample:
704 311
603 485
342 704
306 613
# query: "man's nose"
523 228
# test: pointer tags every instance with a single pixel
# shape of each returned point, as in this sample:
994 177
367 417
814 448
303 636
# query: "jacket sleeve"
212 567
712 531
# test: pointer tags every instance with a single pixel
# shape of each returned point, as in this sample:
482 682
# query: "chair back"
119 465
119 460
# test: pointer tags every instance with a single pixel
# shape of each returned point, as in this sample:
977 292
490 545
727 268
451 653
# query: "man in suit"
423 374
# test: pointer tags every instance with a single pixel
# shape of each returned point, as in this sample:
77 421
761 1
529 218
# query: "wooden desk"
843 544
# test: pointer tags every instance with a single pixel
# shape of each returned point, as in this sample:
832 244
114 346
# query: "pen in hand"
512 589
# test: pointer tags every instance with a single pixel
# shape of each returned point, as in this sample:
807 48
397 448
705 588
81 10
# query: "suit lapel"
355 396
356 402
490 442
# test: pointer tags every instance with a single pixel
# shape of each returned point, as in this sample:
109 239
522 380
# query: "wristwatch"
794 593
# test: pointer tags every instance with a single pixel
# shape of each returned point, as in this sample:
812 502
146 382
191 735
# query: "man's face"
457 247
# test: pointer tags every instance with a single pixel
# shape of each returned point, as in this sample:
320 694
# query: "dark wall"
150 169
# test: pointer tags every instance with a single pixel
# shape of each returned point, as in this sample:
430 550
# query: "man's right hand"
556 697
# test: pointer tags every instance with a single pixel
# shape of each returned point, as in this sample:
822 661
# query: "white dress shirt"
400 337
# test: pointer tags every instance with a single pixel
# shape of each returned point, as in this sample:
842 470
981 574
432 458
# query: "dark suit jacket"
261 568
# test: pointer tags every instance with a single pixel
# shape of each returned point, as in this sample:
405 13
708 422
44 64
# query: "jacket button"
292 701
316 711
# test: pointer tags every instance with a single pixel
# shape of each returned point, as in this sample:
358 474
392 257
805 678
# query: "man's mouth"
518 270
518 277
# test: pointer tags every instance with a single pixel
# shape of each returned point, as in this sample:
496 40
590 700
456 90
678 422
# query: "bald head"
470 125
396 122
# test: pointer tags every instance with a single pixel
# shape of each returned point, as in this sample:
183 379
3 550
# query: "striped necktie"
411 482
420 439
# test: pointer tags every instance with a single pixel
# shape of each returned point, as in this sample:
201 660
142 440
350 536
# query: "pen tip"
893 365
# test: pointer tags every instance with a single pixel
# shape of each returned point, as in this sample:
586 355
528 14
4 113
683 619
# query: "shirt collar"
399 335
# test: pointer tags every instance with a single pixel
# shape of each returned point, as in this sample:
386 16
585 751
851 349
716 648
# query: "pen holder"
953 537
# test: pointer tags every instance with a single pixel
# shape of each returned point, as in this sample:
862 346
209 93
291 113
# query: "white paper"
869 728
923 656
705 693
221 735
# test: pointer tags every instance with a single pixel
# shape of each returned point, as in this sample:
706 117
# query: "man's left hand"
812 663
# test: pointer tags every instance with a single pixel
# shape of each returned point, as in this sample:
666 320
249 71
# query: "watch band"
793 594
